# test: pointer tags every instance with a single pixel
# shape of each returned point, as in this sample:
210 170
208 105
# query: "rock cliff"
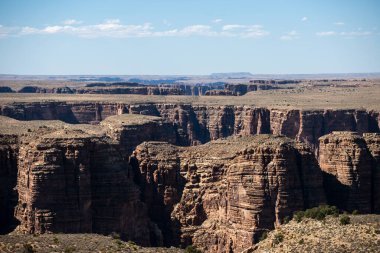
222 195
76 178
197 124
351 170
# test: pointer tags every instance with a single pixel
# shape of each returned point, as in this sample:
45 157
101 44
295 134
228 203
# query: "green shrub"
132 243
298 216
355 212
278 238
301 241
55 239
286 220
263 236
344 220
115 235
28 248
118 242
69 250
192 249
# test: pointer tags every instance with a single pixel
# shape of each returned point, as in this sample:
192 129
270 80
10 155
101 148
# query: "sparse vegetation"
278 238
115 235
286 220
192 249
70 249
344 220
317 213
355 212
263 236
28 248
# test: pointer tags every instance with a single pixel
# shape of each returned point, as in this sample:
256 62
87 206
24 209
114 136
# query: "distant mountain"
233 75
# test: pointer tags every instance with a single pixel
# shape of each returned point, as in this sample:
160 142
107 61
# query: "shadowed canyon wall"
220 196
197 124
351 169
223 195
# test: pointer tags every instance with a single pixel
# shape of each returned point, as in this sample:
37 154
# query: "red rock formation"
131 130
76 178
197 124
220 93
346 161
231 190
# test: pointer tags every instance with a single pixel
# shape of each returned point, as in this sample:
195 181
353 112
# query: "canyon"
167 171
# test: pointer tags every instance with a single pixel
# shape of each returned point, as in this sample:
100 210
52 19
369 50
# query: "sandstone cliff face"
349 170
131 130
76 178
197 124
71 182
221 196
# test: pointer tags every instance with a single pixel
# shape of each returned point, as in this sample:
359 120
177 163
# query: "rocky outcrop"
221 196
242 89
5 89
129 130
351 171
220 93
76 178
197 124
87 184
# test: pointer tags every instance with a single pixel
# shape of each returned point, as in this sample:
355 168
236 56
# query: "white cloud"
72 22
354 34
328 33
232 27
358 33
202 30
339 23
114 28
218 20
303 19
244 31
290 35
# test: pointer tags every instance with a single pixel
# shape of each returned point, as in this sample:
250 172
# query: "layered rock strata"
197 124
222 195
351 166
76 178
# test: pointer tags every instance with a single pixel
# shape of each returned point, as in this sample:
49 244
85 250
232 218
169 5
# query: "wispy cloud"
357 33
245 31
303 19
114 28
218 20
328 33
339 23
72 22
290 35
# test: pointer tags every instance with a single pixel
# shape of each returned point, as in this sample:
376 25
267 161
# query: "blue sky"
189 37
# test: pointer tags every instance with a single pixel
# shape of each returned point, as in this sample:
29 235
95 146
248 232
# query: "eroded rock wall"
78 185
350 168
221 196
197 124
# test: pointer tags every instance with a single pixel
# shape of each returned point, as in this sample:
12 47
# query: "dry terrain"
361 235
299 98
70 243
